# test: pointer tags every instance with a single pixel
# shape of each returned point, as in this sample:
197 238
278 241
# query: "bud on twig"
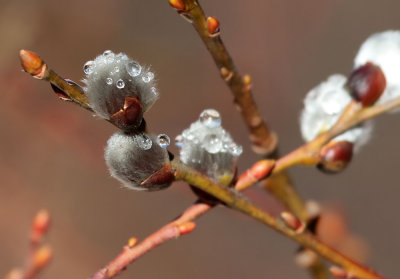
119 89
177 4
293 222
213 26
367 84
32 64
132 159
40 225
335 156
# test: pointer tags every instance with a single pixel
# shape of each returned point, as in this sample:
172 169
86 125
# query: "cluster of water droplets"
133 68
207 133
111 77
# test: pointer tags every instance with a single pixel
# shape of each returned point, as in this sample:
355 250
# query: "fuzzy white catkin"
133 158
208 148
323 106
383 49
110 78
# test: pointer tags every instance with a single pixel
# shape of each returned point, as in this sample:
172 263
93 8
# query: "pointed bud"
257 172
40 225
177 4
292 222
130 116
212 25
335 156
42 257
32 64
163 176
367 84
186 228
132 242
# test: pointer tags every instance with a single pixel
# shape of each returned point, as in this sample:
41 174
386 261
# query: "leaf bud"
367 83
335 156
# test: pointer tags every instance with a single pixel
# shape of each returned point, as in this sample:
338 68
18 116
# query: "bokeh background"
51 153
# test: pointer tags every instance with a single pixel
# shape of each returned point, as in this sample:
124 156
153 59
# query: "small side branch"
133 250
263 140
39 255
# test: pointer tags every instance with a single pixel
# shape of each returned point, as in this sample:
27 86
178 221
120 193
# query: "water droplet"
211 118
120 84
107 52
235 149
116 69
109 81
163 140
133 68
88 67
147 77
144 141
179 141
212 144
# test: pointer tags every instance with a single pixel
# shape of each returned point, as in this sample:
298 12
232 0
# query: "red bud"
335 156
367 84
212 25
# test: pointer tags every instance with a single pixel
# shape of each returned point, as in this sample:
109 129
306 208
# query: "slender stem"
237 201
170 231
263 140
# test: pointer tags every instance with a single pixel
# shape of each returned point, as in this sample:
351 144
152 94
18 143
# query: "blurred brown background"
51 153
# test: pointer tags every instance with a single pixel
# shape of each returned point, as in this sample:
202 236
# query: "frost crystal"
110 78
133 158
323 106
208 148
383 49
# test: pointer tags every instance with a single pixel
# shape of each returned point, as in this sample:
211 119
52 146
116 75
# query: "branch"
39 255
235 200
263 140
132 251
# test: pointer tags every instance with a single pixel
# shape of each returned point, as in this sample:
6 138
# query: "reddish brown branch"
263 140
180 226
39 255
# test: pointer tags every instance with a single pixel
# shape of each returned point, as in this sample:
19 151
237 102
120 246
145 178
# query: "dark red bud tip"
130 116
32 63
160 179
335 156
212 25
367 84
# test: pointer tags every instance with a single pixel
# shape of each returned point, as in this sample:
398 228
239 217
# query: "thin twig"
172 230
263 140
38 256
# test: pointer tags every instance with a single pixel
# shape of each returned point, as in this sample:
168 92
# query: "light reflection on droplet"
133 68
211 118
120 84
163 140
88 67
